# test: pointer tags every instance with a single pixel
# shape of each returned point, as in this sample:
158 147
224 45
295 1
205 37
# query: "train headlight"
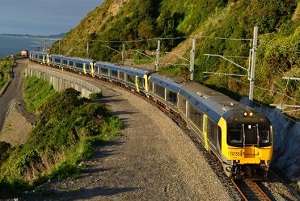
246 114
228 169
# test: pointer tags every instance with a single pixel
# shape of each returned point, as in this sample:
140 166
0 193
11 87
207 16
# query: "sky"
43 17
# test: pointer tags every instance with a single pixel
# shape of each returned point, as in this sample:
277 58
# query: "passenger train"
240 137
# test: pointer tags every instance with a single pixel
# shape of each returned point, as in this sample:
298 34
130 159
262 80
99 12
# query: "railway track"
238 189
250 190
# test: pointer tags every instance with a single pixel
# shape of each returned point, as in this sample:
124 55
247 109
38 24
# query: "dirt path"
15 122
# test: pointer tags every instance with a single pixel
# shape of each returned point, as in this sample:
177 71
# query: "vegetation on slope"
35 93
215 24
6 63
64 135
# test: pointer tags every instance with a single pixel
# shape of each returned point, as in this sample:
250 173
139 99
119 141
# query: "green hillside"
217 26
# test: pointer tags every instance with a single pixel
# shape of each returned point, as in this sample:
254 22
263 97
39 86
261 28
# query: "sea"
14 44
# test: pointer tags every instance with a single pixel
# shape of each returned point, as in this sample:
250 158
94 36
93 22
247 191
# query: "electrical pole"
192 59
157 55
253 60
59 48
87 49
122 53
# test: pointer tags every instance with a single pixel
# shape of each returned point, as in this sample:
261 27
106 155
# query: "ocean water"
10 45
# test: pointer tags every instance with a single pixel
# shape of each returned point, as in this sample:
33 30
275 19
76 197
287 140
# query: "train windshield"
249 134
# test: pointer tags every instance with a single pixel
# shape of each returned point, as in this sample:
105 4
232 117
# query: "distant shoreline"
34 36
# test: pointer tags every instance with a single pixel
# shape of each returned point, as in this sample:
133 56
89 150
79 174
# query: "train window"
212 131
220 137
196 117
250 132
79 65
88 67
114 73
235 136
141 82
71 63
65 61
159 90
131 78
57 60
150 86
121 76
182 104
264 135
104 71
171 97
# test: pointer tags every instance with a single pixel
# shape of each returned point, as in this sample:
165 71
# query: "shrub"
96 95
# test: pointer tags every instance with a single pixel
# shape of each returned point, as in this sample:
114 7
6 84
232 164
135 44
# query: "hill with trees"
222 29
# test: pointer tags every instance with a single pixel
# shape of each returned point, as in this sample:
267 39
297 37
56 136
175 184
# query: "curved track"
234 194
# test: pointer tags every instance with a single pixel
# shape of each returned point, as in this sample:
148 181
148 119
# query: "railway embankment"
286 157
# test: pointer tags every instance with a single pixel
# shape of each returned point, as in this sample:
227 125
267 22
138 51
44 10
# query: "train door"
219 141
44 59
48 59
205 128
84 68
92 68
145 80
137 83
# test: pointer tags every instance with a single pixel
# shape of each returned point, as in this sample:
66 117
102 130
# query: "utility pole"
59 48
253 60
157 55
123 52
87 49
192 60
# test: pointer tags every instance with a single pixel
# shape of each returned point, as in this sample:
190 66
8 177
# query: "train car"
80 65
39 57
240 137
59 61
133 78
164 91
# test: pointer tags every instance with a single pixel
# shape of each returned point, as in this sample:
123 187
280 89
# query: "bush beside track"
6 64
68 128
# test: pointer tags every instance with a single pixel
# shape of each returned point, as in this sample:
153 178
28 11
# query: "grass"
5 65
36 91
67 130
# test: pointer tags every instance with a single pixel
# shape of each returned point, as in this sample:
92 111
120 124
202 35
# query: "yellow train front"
248 146
240 137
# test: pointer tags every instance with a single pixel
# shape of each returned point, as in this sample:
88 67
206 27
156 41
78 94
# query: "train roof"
59 56
77 59
125 69
36 52
211 102
165 82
